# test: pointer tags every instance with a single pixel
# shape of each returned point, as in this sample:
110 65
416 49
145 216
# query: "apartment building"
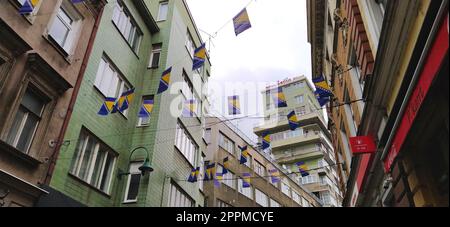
122 159
310 143
42 53
224 141
380 52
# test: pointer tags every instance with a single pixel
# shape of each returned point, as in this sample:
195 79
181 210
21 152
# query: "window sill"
89 186
152 67
129 202
58 48
5 147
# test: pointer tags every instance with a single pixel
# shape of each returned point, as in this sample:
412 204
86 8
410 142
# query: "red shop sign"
431 67
362 145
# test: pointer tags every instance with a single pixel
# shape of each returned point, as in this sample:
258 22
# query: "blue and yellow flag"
189 108
246 180
194 175
226 165
323 100
234 105
28 6
241 22
265 140
165 81
219 177
279 99
107 106
244 154
77 1
147 108
124 101
322 86
303 168
274 175
199 57
210 171
293 122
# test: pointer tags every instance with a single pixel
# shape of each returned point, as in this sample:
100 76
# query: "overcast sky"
275 48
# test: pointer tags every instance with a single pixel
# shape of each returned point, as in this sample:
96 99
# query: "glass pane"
64 16
133 188
86 159
106 177
33 103
100 73
59 31
116 14
99 162
76 157
163 8
155 59
27 133
16 126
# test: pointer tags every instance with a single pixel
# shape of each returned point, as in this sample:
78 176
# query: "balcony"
279 123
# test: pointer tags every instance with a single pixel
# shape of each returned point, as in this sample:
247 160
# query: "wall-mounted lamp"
145 168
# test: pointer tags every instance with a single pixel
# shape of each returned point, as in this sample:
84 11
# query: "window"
155 56
260 169
109 81
300 110
189 93
274 203
286 189
296 198
127 26
374 9
178 198
299 99
185 144
190 45
202 170
93 162
247 192
261 198
229 178
350 114
305 202
163 9
325 197
226 143
65 27
26 121
221 203
134 179
309 179
145 121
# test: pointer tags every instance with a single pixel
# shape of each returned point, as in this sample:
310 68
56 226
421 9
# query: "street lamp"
146 167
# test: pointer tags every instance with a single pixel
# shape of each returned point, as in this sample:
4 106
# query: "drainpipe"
76 90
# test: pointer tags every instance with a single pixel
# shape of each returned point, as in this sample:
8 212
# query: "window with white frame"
190 45
155 56
202 170
296 198
286 189
299 99
109 82
178 198
145 121
247 192
185 144
26 121
226 143
261 198
311 179
325 196
133 182
305 202
207 136
274 203
93 162
127 26
259 169
374 10
163 10
228 178
350 114
300 110
249 158
65 28
190 94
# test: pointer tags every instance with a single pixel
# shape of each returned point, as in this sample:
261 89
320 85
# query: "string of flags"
234 105
293 122
279 98
274 176
244 154
189 108
241 22
302 167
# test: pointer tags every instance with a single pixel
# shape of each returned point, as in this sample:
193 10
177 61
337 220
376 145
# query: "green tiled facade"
122 134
